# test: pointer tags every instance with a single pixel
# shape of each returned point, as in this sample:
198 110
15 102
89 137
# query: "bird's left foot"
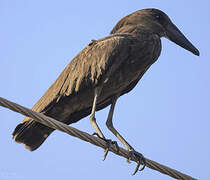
140 157
109 143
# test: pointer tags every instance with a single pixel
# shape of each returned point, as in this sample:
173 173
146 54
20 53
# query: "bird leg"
92 116
132 152
109 142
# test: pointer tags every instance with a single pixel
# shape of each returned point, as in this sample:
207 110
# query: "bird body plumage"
104 63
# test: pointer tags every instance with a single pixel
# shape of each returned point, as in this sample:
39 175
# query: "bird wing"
93 65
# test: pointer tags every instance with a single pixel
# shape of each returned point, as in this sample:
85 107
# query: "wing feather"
93 65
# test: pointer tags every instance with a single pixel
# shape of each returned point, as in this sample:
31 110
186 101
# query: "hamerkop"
103 71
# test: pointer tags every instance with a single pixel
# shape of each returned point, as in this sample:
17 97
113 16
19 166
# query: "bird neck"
137 31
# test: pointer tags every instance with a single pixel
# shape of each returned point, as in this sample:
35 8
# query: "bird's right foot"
140 157
109 142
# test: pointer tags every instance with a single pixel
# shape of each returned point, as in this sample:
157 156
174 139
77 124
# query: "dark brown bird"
102 72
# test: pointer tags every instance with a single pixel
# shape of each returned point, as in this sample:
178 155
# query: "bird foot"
140 157
109 143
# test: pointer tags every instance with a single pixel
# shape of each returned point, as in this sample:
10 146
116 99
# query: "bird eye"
157 16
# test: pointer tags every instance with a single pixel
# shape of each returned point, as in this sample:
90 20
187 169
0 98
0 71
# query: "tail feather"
32 134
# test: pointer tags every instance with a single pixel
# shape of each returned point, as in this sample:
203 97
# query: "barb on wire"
89 138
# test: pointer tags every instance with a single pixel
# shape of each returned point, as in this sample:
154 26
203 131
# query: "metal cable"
89 138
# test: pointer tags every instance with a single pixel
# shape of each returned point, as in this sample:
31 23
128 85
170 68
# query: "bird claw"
109 142
96 134
141 160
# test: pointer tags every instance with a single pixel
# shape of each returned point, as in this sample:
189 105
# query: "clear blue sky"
166 117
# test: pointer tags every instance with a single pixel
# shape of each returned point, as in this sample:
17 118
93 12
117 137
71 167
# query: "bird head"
156 22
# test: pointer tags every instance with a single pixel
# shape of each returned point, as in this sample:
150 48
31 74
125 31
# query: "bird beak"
175 35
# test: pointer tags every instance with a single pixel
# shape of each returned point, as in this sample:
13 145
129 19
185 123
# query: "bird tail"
32 134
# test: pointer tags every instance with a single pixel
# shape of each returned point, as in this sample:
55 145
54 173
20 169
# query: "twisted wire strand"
48 121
